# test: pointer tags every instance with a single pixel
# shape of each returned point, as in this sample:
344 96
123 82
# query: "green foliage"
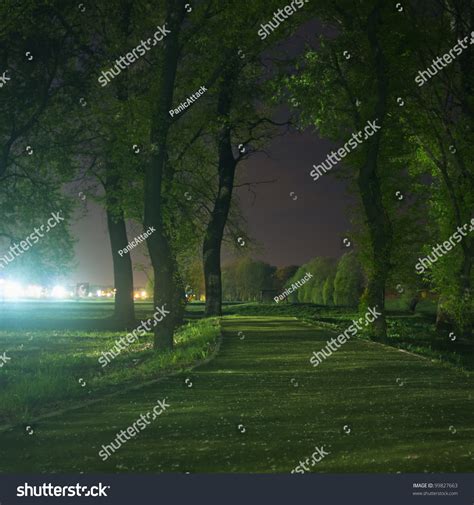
333 282
34 104
328 290
312 290
283 275
245 279
349 281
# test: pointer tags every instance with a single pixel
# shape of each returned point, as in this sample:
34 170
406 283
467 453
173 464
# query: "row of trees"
119 145
333 282
177 174
414 178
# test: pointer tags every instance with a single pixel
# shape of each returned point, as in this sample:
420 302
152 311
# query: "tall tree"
243 112
337 97
168 289
38 57
440 126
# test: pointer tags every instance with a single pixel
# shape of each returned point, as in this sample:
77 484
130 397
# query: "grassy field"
53 367
258 406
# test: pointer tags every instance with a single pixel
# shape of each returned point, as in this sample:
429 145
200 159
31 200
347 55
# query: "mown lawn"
52 367
374 408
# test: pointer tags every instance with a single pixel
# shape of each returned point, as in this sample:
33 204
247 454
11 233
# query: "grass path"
426 424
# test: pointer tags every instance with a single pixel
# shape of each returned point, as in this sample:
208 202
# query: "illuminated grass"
425 424
46 366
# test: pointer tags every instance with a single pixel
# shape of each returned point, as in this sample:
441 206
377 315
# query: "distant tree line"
246 278
334 282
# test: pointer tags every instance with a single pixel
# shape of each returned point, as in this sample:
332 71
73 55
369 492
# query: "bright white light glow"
33 291
12 290
59 292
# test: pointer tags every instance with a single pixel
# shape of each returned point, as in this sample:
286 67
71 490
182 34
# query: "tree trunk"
465 16
168 289
124 311
465 295
378 221
211 250
413 303
442 316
